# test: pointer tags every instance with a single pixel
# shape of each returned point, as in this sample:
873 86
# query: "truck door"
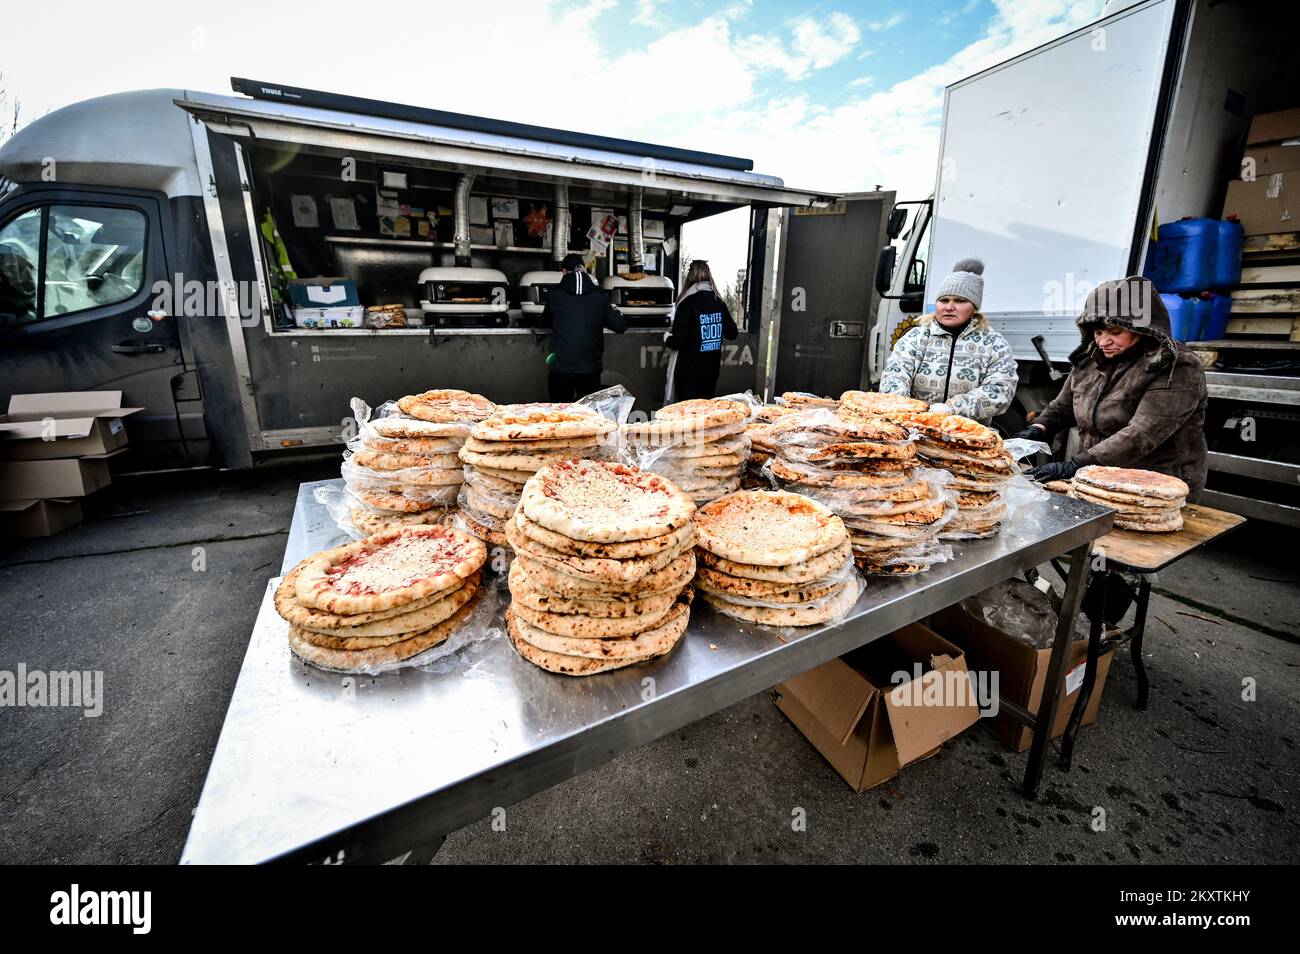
77 274
828 300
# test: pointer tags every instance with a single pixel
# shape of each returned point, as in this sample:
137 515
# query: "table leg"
1135 649
1085 693
1046 715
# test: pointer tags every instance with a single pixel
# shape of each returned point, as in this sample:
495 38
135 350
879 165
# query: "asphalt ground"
160 587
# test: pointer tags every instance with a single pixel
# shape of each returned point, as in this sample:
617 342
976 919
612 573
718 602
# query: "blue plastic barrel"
1227 254
1184 316
1182 259
1216 326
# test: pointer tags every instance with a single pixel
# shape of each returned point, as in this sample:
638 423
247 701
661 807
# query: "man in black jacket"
577 312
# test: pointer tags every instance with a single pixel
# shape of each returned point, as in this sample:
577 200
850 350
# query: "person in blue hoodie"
700 321
577 312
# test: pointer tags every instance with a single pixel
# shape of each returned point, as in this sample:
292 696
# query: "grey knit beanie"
966 281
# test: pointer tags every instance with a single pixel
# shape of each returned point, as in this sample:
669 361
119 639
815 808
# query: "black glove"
1056 470
1031 433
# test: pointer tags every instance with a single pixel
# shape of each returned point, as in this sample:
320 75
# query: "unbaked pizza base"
383 460
875 402
1153 508
388 570
1169 526
446 405
705 412
738 445
794 616
595 569
819 566
768 528
645 645
352 660
412 445
602 502
491 537
563 664
371 522
405 427
681 537
594 627
385 631
1145 483
525 592
288 606
683 433
708 580
578 446
547 578
542 422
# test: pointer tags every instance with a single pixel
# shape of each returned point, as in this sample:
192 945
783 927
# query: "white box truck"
1055 167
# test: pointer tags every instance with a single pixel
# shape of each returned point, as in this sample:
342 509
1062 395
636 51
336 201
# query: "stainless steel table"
316 767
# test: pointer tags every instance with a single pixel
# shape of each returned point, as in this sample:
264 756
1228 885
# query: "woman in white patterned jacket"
953 359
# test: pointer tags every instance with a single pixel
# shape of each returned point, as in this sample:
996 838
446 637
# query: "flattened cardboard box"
38 518
1022 673
70 477
63 424
868 727
1272 127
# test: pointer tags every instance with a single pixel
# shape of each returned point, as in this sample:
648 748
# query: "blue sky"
892 39
833 96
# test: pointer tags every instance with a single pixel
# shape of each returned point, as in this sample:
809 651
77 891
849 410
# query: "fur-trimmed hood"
1133 304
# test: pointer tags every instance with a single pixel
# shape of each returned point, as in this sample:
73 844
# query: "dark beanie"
572 262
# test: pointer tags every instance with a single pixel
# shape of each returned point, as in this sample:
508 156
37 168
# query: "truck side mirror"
897 219
885 268
911 303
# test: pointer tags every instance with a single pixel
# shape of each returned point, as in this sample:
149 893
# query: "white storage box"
346 317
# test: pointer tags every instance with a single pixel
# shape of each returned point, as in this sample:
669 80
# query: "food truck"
241 266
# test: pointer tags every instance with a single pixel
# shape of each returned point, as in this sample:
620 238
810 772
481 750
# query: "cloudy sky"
837 96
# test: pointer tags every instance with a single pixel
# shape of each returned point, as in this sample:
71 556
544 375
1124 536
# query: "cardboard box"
1022 673
38 518
866 724
1269 204
1271 127
324 293
63 424
1274 157
70 477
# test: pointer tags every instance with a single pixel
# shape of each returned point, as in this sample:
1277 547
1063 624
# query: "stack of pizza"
511 445
700 445
1142 499
404 470
864 468
980 468
762 444
603 563
774 557
382 600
